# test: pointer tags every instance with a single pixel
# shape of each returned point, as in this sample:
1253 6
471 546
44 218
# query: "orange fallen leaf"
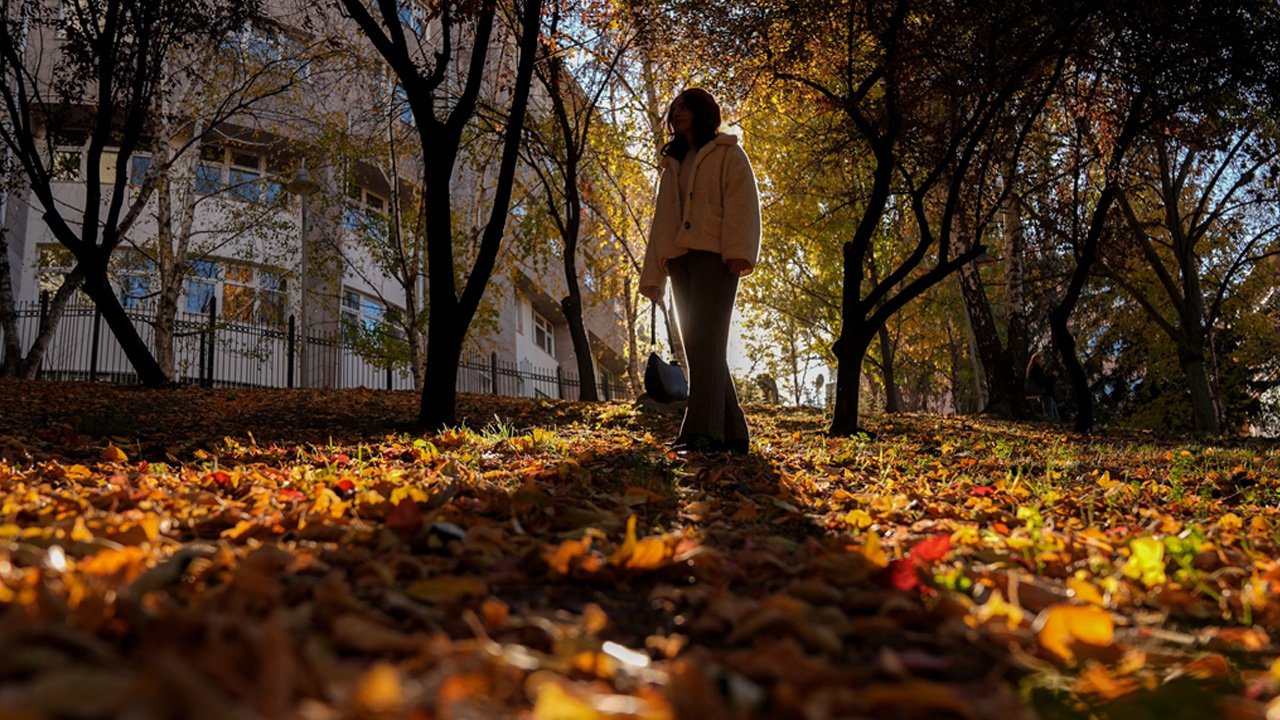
649 553
1059 626
114 454
379 690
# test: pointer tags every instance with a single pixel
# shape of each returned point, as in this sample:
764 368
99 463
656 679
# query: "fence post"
293 335
389 366
44 318
559 382
493 371
207 381
93 347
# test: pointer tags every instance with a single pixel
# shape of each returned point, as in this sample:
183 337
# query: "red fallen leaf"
982 491
932 550
902 575
405 518
143 466
220 478
340 459
1000 528
291 494
345 485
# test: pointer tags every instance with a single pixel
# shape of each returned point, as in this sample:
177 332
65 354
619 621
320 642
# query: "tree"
109 60
1145 66
926 90
399 34
1193 226
559 147
225 84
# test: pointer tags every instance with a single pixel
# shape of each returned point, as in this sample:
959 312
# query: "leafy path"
220 554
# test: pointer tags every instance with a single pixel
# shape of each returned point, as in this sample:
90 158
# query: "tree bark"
1002 380
98 288
1192 361
30 364
633 349
8 306
892 395
849 351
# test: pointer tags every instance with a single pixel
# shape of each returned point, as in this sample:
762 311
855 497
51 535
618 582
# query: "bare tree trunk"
8 306
1017 343
633 350
31 363
892 395
98 288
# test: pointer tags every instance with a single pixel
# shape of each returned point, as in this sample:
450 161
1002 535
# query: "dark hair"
706 122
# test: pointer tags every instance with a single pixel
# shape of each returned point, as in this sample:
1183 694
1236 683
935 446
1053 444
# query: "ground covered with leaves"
307 554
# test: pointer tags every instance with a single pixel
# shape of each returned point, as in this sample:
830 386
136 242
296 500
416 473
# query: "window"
360 310
202 285
135 282
365 213
400 104
412 17
244 293
271 297
139 166
209 171
237 172
544 334
243 179
237 293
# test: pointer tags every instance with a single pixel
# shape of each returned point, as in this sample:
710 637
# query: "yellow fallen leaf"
80 533
649 553
561 560
447 588
114 454
859 518
555 703
594 663
628 544
872 551
78 472
1082 589
1059 626
1146 561
1230 522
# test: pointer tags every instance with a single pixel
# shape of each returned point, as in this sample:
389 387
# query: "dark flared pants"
704 292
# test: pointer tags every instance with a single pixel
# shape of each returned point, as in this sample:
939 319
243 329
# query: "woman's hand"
739 267
653 292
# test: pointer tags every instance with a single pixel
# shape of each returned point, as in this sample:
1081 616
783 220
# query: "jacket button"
687 226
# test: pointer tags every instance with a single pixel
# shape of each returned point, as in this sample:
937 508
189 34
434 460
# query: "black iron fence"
213 351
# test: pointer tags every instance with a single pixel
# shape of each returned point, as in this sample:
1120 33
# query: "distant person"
705 236
1040 382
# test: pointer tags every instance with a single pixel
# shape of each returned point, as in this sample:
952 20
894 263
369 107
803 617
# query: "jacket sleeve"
653 274
740 233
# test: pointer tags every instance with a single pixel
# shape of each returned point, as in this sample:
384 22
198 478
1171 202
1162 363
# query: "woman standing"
705 236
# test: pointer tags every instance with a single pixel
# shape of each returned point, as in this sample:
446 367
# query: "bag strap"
653 325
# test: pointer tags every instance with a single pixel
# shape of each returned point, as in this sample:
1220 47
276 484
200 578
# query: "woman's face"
681 117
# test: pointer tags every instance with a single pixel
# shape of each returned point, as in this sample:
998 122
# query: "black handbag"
663 381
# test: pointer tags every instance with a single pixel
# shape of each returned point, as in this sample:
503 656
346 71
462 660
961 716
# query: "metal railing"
213 351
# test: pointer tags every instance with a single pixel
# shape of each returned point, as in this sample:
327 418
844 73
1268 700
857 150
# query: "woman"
1040 382
705 236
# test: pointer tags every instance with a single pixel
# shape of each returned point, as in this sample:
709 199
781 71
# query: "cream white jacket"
721 214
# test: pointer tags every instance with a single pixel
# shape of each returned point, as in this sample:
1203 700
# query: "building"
284 280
